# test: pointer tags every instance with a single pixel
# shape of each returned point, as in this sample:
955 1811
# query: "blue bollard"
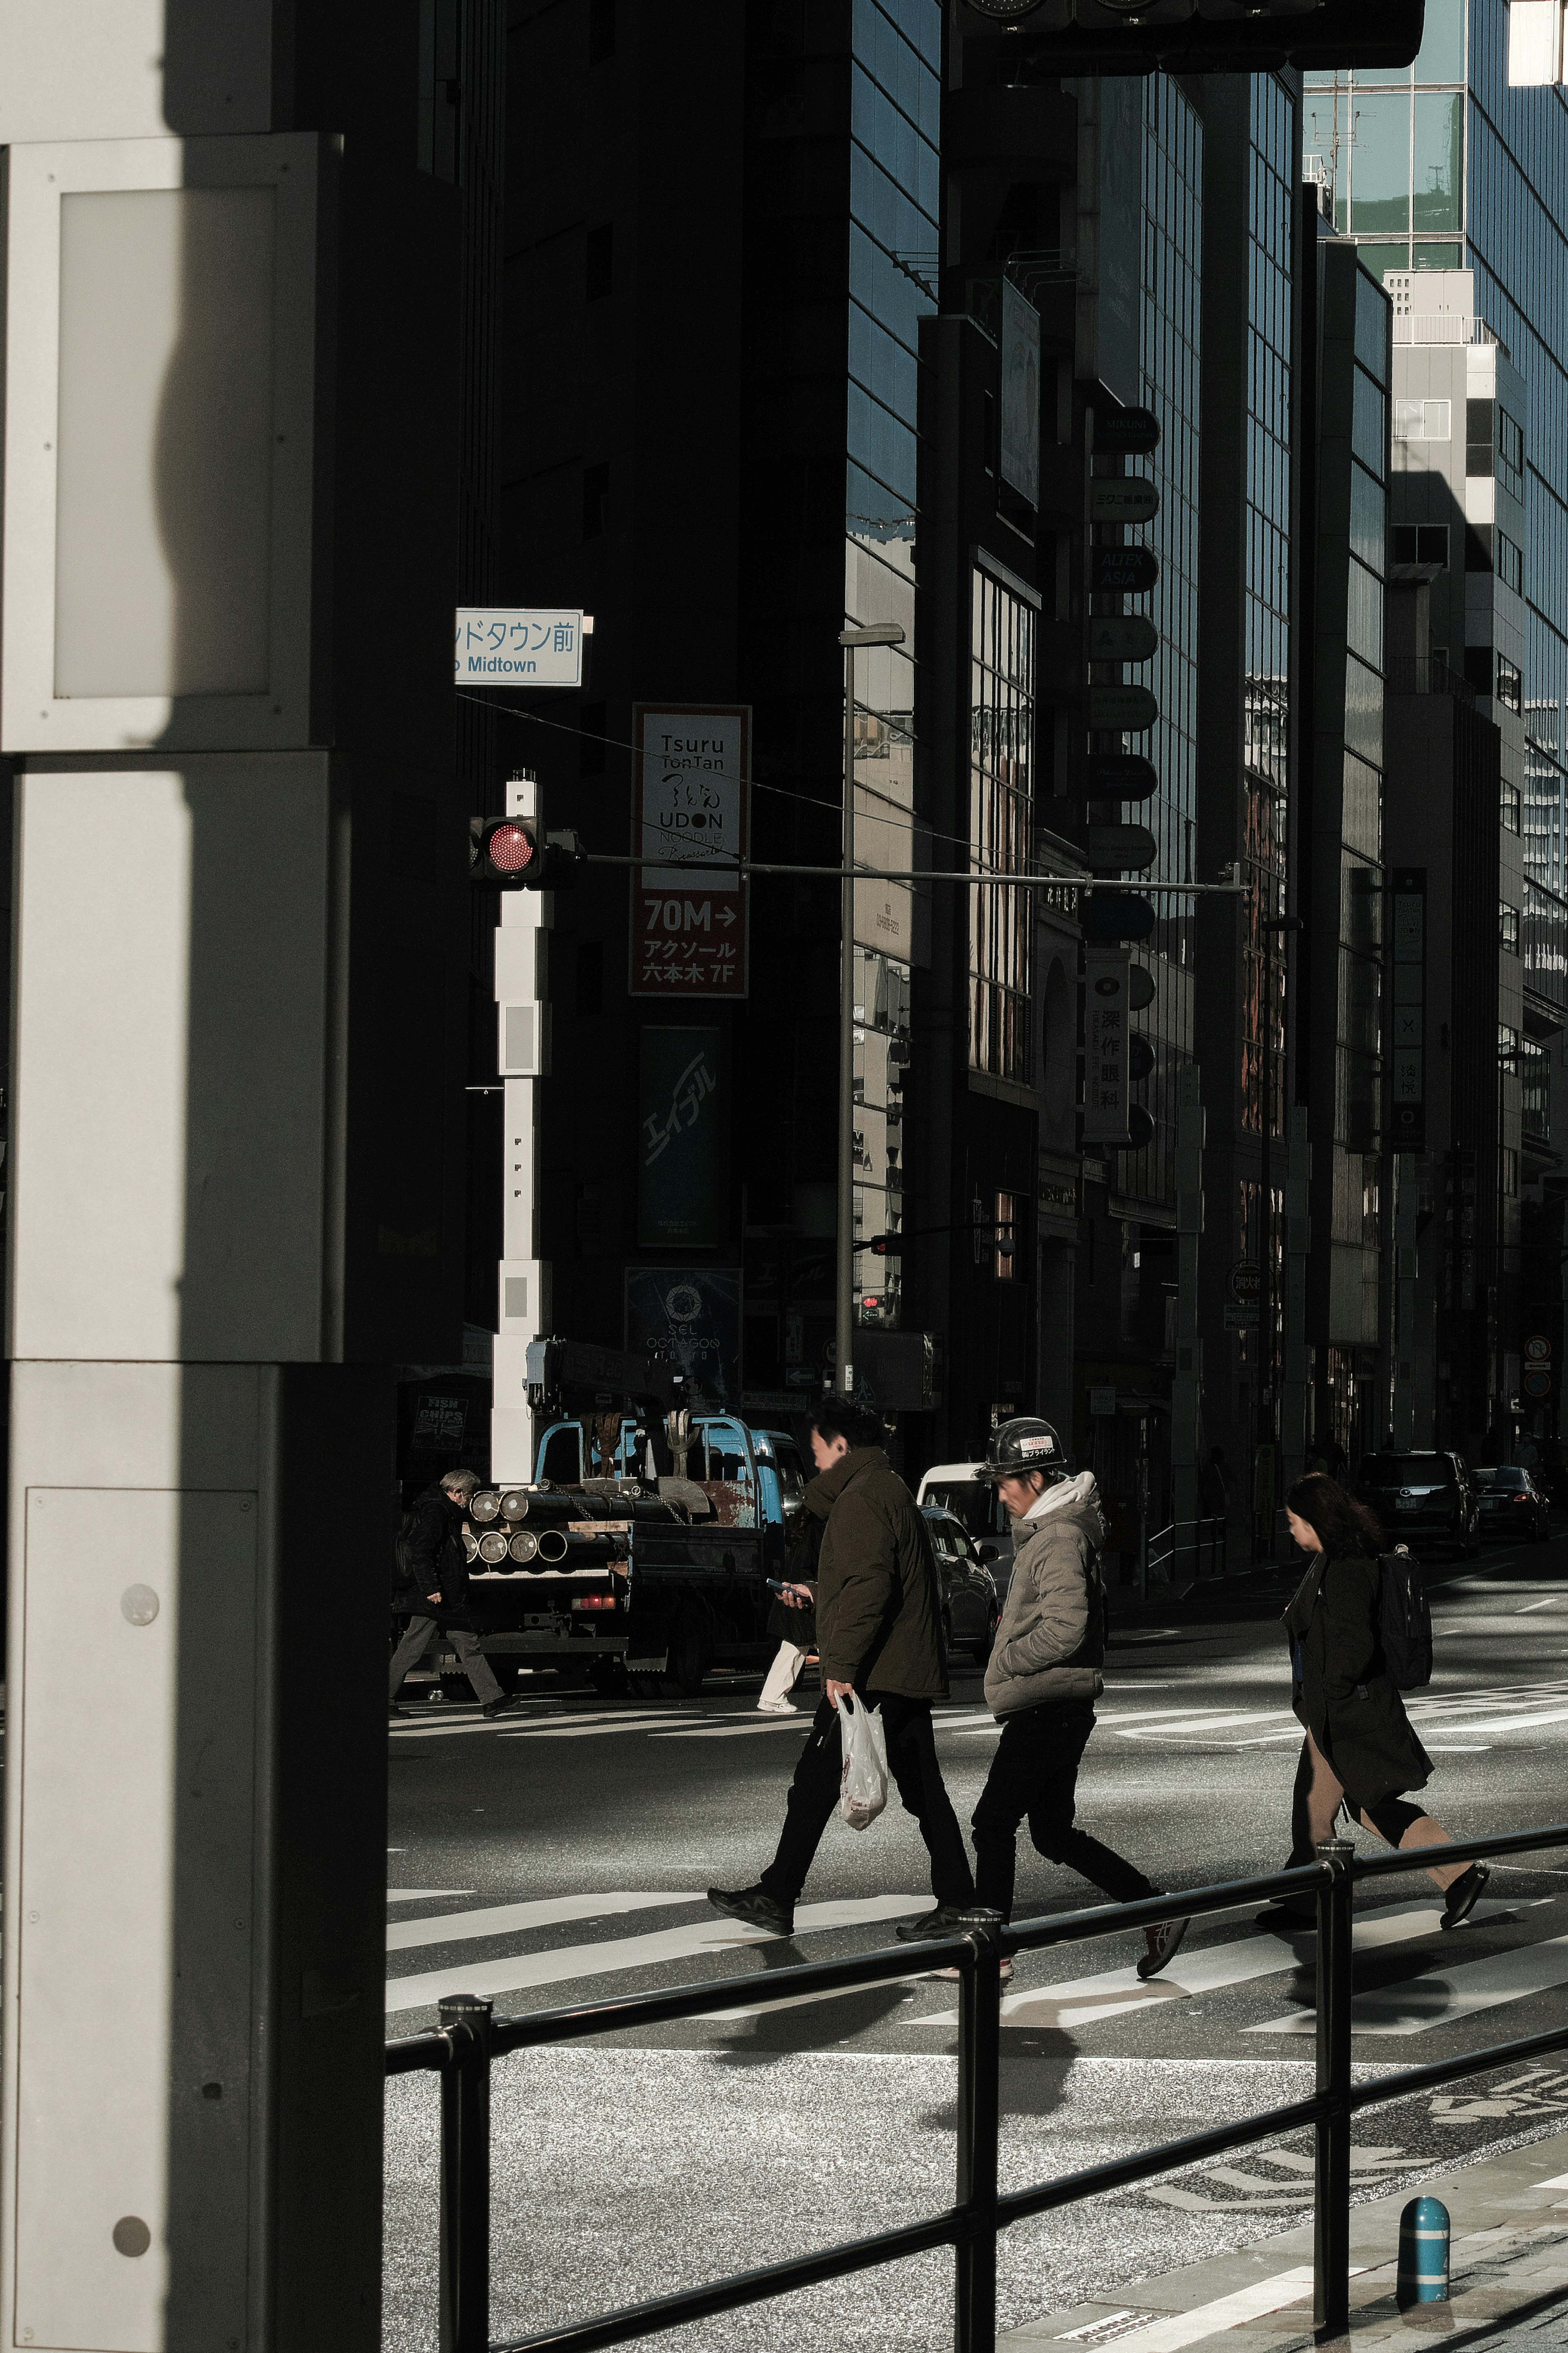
1423 2254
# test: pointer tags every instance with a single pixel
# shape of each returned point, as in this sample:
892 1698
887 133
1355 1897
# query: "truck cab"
751 1478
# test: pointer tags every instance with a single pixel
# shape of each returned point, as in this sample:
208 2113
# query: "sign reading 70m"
690 804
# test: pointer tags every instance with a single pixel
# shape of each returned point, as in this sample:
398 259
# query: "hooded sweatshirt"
1050 1644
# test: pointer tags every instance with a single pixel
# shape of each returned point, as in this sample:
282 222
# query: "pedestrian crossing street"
1468 1722
1444 1987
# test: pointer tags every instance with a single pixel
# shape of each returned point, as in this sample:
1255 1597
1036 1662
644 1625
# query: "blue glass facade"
1447 167
894 201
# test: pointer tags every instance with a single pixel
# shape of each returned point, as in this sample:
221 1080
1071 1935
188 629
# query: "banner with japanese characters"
680 1174
1105 1045
690 807
510 645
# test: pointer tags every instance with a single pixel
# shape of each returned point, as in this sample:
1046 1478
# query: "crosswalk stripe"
1439 1996
731 1731
1112 1993
571 1961
423 1894
584 1728
511 1919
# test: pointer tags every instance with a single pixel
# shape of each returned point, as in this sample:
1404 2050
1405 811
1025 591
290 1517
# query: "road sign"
1241 1319
1134 639
1125 432
1537 1381
1125 848
1119 777
1245 1282
1538 1348
1127 710
1123 498
691 801
1122 571
1102 1403
519 645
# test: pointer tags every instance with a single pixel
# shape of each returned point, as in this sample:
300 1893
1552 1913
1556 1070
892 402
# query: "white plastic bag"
863 1785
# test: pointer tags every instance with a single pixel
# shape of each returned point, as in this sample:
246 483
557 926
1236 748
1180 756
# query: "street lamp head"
879 633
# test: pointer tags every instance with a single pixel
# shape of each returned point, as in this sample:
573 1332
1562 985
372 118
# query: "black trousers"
1034 1774
911 1761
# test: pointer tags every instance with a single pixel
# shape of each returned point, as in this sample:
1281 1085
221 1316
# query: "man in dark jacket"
878 1634
434 1585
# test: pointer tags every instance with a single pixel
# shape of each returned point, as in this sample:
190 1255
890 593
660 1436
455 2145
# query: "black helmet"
1023 1445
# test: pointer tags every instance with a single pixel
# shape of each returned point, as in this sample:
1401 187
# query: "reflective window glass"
1380 164
1441 57
1439 167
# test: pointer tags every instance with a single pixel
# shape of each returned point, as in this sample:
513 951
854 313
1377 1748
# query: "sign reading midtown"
505 645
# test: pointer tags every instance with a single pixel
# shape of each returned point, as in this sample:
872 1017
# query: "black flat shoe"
1464 1894
945 1920
502 1706
750 1904
1161 1943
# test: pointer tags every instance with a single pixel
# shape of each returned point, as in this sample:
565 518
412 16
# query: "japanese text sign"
1105 1046
510 645
690 806
680 1177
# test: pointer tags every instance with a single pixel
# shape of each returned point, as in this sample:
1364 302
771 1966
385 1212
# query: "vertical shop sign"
1105 1075
1020 450
692 1316
680 1141
690 802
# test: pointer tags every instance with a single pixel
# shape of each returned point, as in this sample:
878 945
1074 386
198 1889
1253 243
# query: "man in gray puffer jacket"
1044 1679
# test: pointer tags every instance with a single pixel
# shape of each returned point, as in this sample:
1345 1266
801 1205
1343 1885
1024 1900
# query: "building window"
1510 684
1510 454
1480 431
1508 927
1510 563
1000 788
1507 1174
1425 543
1422 420
1009 1261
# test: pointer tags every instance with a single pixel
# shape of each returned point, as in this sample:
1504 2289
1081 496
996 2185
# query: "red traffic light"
510 853
510 848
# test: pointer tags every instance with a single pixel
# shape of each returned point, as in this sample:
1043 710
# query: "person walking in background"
1042 1680
879 1631
792 1621
1361 1751
433 1584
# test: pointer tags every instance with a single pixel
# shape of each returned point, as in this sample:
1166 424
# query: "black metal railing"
1186 1549
470 2038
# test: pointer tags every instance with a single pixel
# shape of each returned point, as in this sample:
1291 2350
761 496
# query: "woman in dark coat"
1361 1749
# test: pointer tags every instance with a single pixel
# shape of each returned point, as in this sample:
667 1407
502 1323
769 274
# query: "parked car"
970 1607
1426 1494
962 1489
1512 1505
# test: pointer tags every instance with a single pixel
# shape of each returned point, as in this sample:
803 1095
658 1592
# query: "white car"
963 1490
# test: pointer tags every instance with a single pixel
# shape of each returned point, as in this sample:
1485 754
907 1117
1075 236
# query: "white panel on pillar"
524 1290
133 68
519 1171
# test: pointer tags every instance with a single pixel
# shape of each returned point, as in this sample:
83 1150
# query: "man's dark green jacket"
878 1595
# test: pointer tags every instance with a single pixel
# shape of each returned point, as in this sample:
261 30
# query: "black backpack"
1404 1620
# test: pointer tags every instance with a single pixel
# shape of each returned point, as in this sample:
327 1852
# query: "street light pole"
880 633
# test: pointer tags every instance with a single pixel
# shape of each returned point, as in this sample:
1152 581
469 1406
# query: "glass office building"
1444 167
894 200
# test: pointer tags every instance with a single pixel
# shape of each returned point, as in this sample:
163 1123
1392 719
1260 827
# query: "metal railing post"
465 2291
979 2102
1331 2236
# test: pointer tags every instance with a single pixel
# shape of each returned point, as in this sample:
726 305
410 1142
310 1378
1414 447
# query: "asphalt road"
562 1854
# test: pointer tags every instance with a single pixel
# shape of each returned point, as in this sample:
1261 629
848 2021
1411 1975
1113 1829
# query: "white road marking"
1458 1748
1439 1996
572 1961
1232 2311
1535 1605
511 1919
730 1731
423 1894
1112 1993
580 1727
1558 2181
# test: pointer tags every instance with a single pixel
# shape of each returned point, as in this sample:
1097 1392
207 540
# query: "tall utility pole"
230 346
879 633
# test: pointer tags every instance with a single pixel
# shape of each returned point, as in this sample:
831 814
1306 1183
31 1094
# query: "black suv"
1512 1505
1425 1494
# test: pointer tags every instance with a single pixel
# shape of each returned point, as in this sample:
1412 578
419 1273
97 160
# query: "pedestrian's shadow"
813 2022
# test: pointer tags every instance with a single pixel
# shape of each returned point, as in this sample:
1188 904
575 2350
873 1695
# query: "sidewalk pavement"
1508 2275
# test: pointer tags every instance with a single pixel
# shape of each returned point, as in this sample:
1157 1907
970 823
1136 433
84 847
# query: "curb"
1509 2261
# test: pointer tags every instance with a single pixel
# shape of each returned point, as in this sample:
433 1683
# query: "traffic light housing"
514 853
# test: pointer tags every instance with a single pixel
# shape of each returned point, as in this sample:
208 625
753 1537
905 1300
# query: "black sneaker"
1464 1894
502 1706
751 1904
945 1920
1161 1942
